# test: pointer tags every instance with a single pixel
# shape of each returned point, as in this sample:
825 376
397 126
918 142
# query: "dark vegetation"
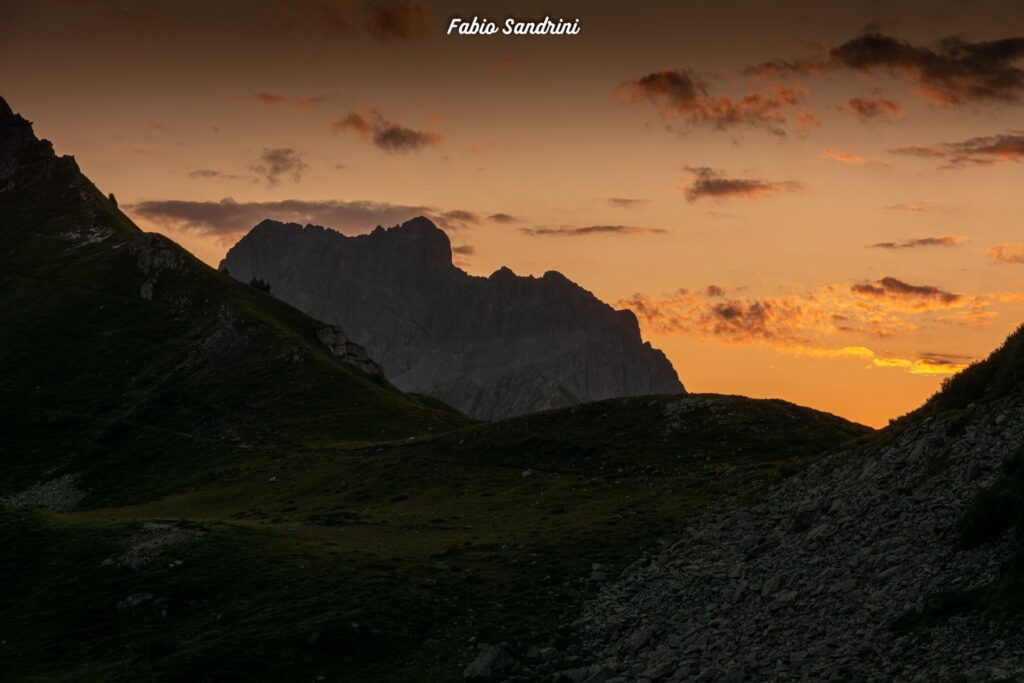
258 283
999 376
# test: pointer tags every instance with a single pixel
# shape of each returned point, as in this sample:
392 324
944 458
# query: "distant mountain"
492 347
127 362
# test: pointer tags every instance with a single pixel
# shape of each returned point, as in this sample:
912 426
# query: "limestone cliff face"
492 347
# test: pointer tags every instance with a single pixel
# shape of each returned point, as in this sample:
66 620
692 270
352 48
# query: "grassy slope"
140 396
424 544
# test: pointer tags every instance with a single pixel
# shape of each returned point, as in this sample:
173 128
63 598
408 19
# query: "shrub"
260 284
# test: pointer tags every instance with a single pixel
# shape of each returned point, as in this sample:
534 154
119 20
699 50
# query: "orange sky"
733 207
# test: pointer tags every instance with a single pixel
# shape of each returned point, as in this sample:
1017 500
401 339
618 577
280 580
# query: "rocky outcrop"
809 584
490 346
341 347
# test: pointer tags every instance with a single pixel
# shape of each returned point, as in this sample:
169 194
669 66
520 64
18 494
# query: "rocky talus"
493 347
807 585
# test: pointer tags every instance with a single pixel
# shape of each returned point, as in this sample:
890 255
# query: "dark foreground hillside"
900 557
384 562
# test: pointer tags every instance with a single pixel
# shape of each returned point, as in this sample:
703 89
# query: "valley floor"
392 561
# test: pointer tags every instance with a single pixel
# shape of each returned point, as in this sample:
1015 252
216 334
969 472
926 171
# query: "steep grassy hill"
133 367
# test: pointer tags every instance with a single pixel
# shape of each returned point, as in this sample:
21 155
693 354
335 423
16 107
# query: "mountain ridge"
491 346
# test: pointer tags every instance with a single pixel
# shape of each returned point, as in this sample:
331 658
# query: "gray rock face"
806 585
492 347
341 347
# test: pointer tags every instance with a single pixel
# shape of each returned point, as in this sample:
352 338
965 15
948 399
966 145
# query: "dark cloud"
212 173
229 218
370 125
944 359
953 72
461 215
396 138
502 218
684 94
944 241
396 20
278 162
570 231
874 108
745 320
455 219
626 202
464 249
383 20
892 288
714 291
980 151
708 183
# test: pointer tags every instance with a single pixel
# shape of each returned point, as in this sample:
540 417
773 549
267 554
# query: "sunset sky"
814 201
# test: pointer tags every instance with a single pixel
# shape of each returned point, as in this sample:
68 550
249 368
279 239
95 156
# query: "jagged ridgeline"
493 347
127 361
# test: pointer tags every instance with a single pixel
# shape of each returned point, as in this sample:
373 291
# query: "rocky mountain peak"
493 347
421 242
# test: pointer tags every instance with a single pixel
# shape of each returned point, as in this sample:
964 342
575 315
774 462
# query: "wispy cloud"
904 294
926 363
978 151
685 95
228 219
843 157
588 230
213 173
914 207
953 72
370 125
454 219
502 218
706 183
943 241
867 109
1008 253
626 202
397 20
832 321
273 164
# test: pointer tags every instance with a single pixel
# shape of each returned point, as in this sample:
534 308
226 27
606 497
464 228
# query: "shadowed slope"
129 364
